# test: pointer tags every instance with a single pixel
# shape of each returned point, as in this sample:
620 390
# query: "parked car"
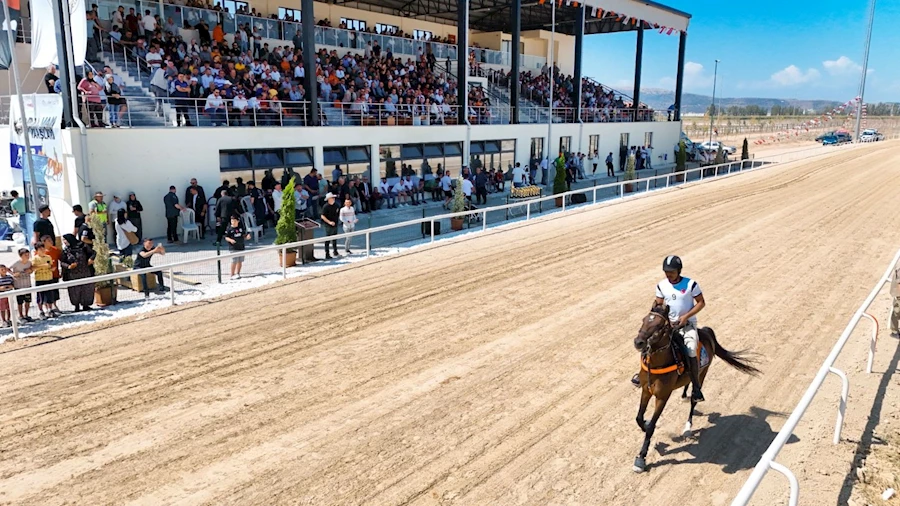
870 135
714 146
822 137
838 138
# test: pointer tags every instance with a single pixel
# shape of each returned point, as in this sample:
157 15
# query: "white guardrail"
767 461
721 170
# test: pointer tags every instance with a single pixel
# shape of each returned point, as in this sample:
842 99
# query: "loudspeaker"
579 198
426 228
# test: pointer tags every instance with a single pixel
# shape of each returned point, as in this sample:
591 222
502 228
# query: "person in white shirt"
121 225
113 209
447 187
277 198
411 189
154 59
348 219
387 193
467 188
149 22
402 195
684 298
215 108
545 164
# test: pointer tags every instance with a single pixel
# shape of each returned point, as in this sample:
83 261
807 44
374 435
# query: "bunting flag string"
618 18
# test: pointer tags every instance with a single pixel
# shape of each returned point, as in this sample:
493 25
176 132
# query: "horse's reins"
646 354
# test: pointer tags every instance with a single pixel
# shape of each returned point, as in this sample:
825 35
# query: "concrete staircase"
144 108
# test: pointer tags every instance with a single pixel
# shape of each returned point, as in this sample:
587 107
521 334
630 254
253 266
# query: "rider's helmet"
672 264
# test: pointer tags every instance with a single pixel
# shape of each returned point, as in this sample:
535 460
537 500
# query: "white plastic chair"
250 225
188 225
246 204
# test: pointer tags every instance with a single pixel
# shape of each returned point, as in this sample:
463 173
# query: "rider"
685 300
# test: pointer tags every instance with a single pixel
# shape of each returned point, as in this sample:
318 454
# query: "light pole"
712 112
865 69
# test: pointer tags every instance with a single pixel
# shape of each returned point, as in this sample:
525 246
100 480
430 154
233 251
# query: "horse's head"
655 327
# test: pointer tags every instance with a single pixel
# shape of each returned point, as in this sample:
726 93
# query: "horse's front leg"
640 463
642 408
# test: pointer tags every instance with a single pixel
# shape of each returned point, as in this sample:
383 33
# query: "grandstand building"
367 86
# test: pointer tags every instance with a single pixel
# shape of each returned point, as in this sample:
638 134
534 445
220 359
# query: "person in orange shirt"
285 66
218 34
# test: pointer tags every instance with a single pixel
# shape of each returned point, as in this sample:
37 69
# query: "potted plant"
745 154
458 205
559 180
629 173
286 229
104 291
680 161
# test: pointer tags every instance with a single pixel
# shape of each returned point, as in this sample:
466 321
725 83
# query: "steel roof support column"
462 69
514 60
308 26
679 79
579 50
638 60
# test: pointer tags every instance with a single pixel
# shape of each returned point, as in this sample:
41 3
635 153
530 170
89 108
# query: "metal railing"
767 461
622 189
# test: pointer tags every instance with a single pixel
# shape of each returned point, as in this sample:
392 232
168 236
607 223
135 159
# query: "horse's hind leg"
640 462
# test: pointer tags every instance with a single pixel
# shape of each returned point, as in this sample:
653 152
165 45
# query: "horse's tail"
736 359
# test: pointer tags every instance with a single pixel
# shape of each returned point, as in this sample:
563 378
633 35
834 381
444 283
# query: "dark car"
835 139
822 137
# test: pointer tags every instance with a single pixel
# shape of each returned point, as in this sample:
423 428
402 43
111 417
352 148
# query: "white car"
870 135
714 146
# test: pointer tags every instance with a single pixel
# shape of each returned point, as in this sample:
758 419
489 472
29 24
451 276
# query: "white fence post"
13 317
792 480
595 195
842 407
872 343
484 220
368 243
283 263
172 285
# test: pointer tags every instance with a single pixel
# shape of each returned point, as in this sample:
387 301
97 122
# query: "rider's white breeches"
691 340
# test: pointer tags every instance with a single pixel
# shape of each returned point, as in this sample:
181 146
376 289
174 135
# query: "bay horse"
661 374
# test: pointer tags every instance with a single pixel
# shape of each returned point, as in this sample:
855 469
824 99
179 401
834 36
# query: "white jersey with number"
679 297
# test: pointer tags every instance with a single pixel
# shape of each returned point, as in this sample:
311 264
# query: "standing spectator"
6 284
545 167
594 161
54 253
112 210
142 261
43 275
115 103
22 270
84 233
78 211
365 194
258 202
499 180
225 209
197 203
467 188
447 187
235 236
311 185
123 241
301 197
609 165
532 172
18 203
99 209
134 211
336 173
330 216
348 220
173 209
200 192
277 199
77 261
42 225
481 180
90 96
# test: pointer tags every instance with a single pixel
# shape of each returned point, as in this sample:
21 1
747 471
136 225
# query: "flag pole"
14 66
865 70
550 76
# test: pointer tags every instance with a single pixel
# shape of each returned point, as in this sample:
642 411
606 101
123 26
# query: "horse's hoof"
687 430
639 465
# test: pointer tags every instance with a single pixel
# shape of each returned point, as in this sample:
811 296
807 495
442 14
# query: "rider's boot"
693 365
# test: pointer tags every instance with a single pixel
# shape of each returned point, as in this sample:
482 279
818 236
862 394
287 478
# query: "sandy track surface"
490 371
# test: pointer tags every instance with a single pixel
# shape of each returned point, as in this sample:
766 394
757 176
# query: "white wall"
147 161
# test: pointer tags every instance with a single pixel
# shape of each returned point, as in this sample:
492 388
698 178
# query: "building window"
386 29
354 24
253 164
419 160
289 14
537 147
648 139
421 35
352 160
232 5
565 144
593 144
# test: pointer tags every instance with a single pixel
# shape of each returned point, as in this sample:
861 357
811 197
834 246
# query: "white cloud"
843 66
696 76
793 76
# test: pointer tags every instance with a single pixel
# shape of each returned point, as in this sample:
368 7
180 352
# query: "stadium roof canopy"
603 16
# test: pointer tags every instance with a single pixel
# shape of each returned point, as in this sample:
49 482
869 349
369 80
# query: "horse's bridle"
648 352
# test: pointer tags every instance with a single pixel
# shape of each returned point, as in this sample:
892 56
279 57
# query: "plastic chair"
247 204
188 226
250 225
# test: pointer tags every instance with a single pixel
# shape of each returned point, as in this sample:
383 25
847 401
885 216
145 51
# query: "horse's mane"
661 310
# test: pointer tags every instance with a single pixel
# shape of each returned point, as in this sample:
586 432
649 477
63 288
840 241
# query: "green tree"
458 204
745 150
629 168
559 179
681 157
286 229
102 263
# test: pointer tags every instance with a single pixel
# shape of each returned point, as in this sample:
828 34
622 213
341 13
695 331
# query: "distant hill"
698 104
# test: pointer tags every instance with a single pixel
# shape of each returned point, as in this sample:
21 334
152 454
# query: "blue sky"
776 49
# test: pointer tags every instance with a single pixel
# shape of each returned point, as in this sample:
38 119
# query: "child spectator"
235 236
22 270
43 275
6 285
55 254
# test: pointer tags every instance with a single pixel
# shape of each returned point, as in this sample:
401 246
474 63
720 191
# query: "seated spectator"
215 108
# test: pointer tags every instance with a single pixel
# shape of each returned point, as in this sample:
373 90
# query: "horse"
661 374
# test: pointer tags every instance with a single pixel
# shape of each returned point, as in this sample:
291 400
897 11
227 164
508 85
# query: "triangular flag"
670 31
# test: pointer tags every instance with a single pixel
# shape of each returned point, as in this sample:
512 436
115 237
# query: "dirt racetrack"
490 371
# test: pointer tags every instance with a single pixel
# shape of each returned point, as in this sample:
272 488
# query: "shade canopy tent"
603 16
